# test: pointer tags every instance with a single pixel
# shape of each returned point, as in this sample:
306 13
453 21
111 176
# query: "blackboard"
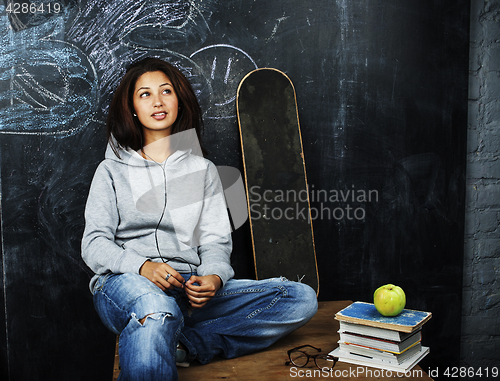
382 95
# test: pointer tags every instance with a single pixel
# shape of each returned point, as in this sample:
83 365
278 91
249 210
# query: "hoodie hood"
135 159
181 144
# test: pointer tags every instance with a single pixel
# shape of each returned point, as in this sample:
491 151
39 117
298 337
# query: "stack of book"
370 339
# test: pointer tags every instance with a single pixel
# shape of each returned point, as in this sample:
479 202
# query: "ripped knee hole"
144 319
159 316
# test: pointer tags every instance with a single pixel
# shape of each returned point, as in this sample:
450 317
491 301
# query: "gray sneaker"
180 357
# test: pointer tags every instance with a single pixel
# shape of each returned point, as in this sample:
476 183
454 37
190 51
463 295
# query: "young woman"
158 239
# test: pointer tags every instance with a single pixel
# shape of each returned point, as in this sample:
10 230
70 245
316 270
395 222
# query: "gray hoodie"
173 211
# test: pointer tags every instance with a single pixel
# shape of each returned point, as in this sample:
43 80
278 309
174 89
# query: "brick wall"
481 292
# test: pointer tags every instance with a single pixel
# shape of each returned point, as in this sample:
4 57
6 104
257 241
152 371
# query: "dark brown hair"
127 130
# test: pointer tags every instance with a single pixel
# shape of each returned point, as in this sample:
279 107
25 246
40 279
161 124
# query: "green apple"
389 300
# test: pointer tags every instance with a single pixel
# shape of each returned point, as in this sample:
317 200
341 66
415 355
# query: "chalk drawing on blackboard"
169 30
119 33
181 25
224 66
276 26
47 86
51 90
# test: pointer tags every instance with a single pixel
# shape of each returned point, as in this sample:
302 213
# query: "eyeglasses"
300 358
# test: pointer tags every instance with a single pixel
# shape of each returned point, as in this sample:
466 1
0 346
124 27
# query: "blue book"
366 314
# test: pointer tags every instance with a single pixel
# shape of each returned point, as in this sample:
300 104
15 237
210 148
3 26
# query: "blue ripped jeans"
243 317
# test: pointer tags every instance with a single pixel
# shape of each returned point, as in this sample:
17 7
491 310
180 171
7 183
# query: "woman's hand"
200 294
157 273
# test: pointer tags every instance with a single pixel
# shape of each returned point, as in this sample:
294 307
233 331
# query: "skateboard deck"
275 178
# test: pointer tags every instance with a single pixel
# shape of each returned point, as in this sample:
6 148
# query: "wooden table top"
269 364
